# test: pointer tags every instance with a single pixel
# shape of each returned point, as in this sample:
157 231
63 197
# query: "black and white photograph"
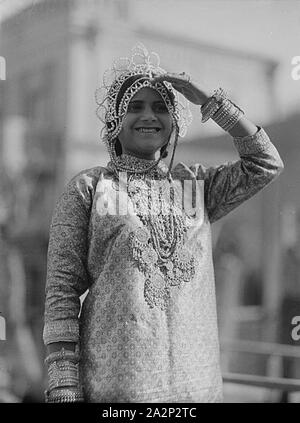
149 204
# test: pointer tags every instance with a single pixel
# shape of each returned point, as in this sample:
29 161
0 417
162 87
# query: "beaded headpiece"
122 81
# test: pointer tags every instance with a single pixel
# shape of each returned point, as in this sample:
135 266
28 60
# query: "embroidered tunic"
147 332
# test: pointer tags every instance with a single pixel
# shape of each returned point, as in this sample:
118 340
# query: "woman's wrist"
63 376
204 98
222 110
243 128
57 346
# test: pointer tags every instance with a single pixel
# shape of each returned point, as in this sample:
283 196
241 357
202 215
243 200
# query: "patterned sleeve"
229 185
67 276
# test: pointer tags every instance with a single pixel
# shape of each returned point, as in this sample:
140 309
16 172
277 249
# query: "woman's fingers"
182 83
185 77
178 78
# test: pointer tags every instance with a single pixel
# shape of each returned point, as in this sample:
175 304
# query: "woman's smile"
144 130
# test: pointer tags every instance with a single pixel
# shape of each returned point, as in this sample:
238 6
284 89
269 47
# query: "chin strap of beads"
222 110
63 376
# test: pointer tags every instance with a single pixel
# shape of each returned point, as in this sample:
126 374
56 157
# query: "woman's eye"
160 108
134 107
137 107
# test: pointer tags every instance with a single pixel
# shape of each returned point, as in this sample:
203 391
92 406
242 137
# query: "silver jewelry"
62 374
63 369
222 110
213 104
158 244
64 395
228 115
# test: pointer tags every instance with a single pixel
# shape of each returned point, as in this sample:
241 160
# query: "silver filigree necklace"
158 243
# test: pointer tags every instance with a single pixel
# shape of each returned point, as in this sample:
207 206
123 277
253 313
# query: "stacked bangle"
63 395
222 110
228 115
63 375
213 104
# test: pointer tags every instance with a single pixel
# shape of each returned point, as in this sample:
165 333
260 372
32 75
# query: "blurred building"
56 53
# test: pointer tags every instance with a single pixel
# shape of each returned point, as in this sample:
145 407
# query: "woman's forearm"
243 128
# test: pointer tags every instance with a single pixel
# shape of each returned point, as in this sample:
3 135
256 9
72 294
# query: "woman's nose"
148 113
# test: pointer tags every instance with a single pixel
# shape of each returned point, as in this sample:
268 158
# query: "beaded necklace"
158 243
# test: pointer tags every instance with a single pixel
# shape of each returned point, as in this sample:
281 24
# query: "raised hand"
184 84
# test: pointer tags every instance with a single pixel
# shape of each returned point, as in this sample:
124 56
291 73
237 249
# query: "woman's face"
147 125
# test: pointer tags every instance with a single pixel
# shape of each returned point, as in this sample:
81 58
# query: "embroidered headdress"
121 82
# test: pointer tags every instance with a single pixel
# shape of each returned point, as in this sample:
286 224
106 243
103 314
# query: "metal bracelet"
228 115
228 122
209 109
224 111
213 104
64 395
63 373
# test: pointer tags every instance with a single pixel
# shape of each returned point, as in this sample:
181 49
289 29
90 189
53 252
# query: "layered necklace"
157 244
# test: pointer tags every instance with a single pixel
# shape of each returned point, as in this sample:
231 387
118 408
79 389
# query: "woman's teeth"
148 130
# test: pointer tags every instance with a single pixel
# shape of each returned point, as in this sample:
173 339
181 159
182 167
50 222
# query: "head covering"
121 82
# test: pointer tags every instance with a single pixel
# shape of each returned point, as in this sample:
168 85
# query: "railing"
275 354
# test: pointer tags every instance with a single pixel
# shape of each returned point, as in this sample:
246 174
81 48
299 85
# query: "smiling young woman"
147 125
147 330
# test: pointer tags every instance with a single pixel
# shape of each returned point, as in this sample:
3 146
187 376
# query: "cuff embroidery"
61 330
251 144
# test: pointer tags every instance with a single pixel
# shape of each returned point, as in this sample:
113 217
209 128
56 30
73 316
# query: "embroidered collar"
134 164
